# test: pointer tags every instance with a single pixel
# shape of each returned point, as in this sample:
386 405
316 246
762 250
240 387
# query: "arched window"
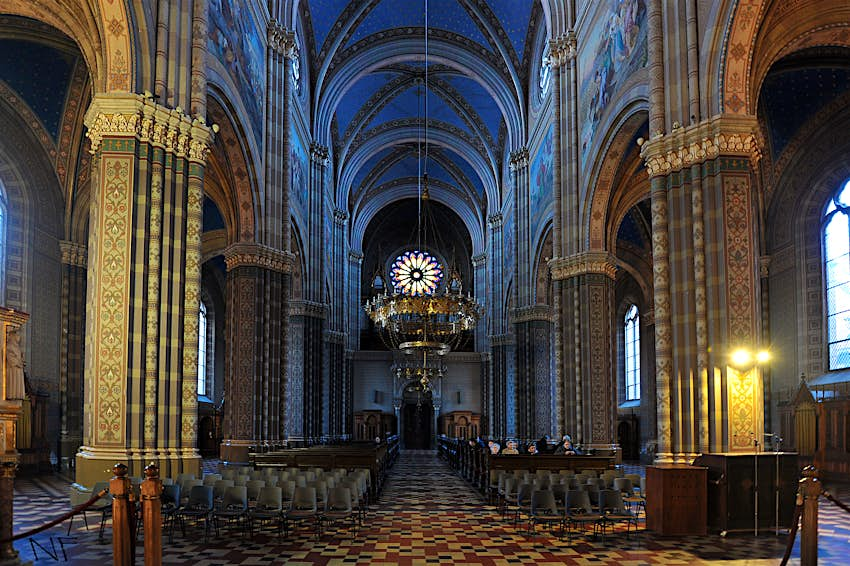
836 252
632 350
202 350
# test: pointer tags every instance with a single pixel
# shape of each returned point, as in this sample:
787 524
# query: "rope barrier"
54 522
792 535
829 496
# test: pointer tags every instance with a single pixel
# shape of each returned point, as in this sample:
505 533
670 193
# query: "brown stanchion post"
7 496
123 551
811 489
152 515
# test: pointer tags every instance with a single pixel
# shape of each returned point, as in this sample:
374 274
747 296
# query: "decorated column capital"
243 254
519 159
562 49
73 253
340 217
532 313
764 266
355 256
280 39
495 221
479 260
308 308
583 263
124 115
319 154
724 134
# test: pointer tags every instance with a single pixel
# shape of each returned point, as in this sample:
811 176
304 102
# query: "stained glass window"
836 253
416 273
632 339
202 350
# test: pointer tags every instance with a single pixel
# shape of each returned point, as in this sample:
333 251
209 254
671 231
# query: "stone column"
305 384
335 337
702 199
534 383
258 281
587 319
143 286
11 394
71 360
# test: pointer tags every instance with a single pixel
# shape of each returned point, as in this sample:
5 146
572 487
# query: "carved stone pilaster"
562 49
479 260
495 221
519 159
319 154
73 253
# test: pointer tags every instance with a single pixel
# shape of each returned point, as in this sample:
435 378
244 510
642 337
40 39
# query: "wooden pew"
534 462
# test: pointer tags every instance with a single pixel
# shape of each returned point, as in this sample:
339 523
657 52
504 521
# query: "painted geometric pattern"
739 259
425 515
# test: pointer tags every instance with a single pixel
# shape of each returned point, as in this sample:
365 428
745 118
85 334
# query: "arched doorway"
417 418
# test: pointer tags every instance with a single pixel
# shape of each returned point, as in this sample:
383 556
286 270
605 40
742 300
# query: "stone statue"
15 388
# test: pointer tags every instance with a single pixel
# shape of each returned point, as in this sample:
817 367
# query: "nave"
426 514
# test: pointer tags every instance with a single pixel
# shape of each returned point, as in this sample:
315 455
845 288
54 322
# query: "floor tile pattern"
426 515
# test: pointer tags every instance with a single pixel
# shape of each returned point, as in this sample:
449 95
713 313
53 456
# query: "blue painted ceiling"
40 74
494 32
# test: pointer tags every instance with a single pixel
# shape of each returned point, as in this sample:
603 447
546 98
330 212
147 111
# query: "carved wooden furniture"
676 499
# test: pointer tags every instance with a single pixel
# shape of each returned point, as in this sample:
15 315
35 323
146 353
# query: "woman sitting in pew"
567 448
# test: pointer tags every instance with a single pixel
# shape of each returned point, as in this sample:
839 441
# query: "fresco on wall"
541 180
238 45
508 244
616 49
298 173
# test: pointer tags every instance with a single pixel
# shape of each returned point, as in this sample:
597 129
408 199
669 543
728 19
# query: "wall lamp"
743 358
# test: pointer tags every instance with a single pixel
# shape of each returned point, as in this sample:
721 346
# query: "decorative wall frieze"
519 159
692 145
532 313
562 49
335 337
501 340
340 217
311 309
582 264
133 115
73 253
495 221
319 153
250 254
479 260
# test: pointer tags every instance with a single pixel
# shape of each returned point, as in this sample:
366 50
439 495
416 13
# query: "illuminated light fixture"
763 356
741 358
419 315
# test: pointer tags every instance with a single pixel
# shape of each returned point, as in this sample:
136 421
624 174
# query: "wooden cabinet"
676 499
735 479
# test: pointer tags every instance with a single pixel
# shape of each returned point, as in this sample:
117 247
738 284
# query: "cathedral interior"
632 218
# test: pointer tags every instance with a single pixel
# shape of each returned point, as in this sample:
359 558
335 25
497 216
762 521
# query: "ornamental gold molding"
73 253
582 264
244 254
692 145
126 114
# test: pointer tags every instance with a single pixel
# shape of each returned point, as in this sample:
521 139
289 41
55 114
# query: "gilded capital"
582 264
123 115
257 255
692 145
562 49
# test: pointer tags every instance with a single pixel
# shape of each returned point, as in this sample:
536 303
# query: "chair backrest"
236 498
170 497
210 479
287 488
309 474
229 473
300 480
270 499
590 473
200 497
242 480
181 477
559 490
543 501
321 489
253 487
269 471
304 499
271 481
329 480
578 501
520 474
523 494
611 501
510 486
167 481
220 487
339 499
188 485
623 485
256 474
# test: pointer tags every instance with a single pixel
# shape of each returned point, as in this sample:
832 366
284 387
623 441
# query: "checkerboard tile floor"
426 515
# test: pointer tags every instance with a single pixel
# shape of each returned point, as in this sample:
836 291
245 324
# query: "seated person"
494 447
511 448
543 444
567 448
532 449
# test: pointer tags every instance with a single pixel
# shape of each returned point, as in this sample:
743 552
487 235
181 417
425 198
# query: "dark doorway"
417 425
628 436
206 435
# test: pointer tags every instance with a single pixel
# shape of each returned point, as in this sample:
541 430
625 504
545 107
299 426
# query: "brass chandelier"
420 317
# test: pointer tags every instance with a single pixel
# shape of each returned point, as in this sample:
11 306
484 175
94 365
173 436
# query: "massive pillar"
71 363
258 279
586 283
144 278
337 377
707 286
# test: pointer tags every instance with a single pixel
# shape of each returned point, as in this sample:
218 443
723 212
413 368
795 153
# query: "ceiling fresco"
370 83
